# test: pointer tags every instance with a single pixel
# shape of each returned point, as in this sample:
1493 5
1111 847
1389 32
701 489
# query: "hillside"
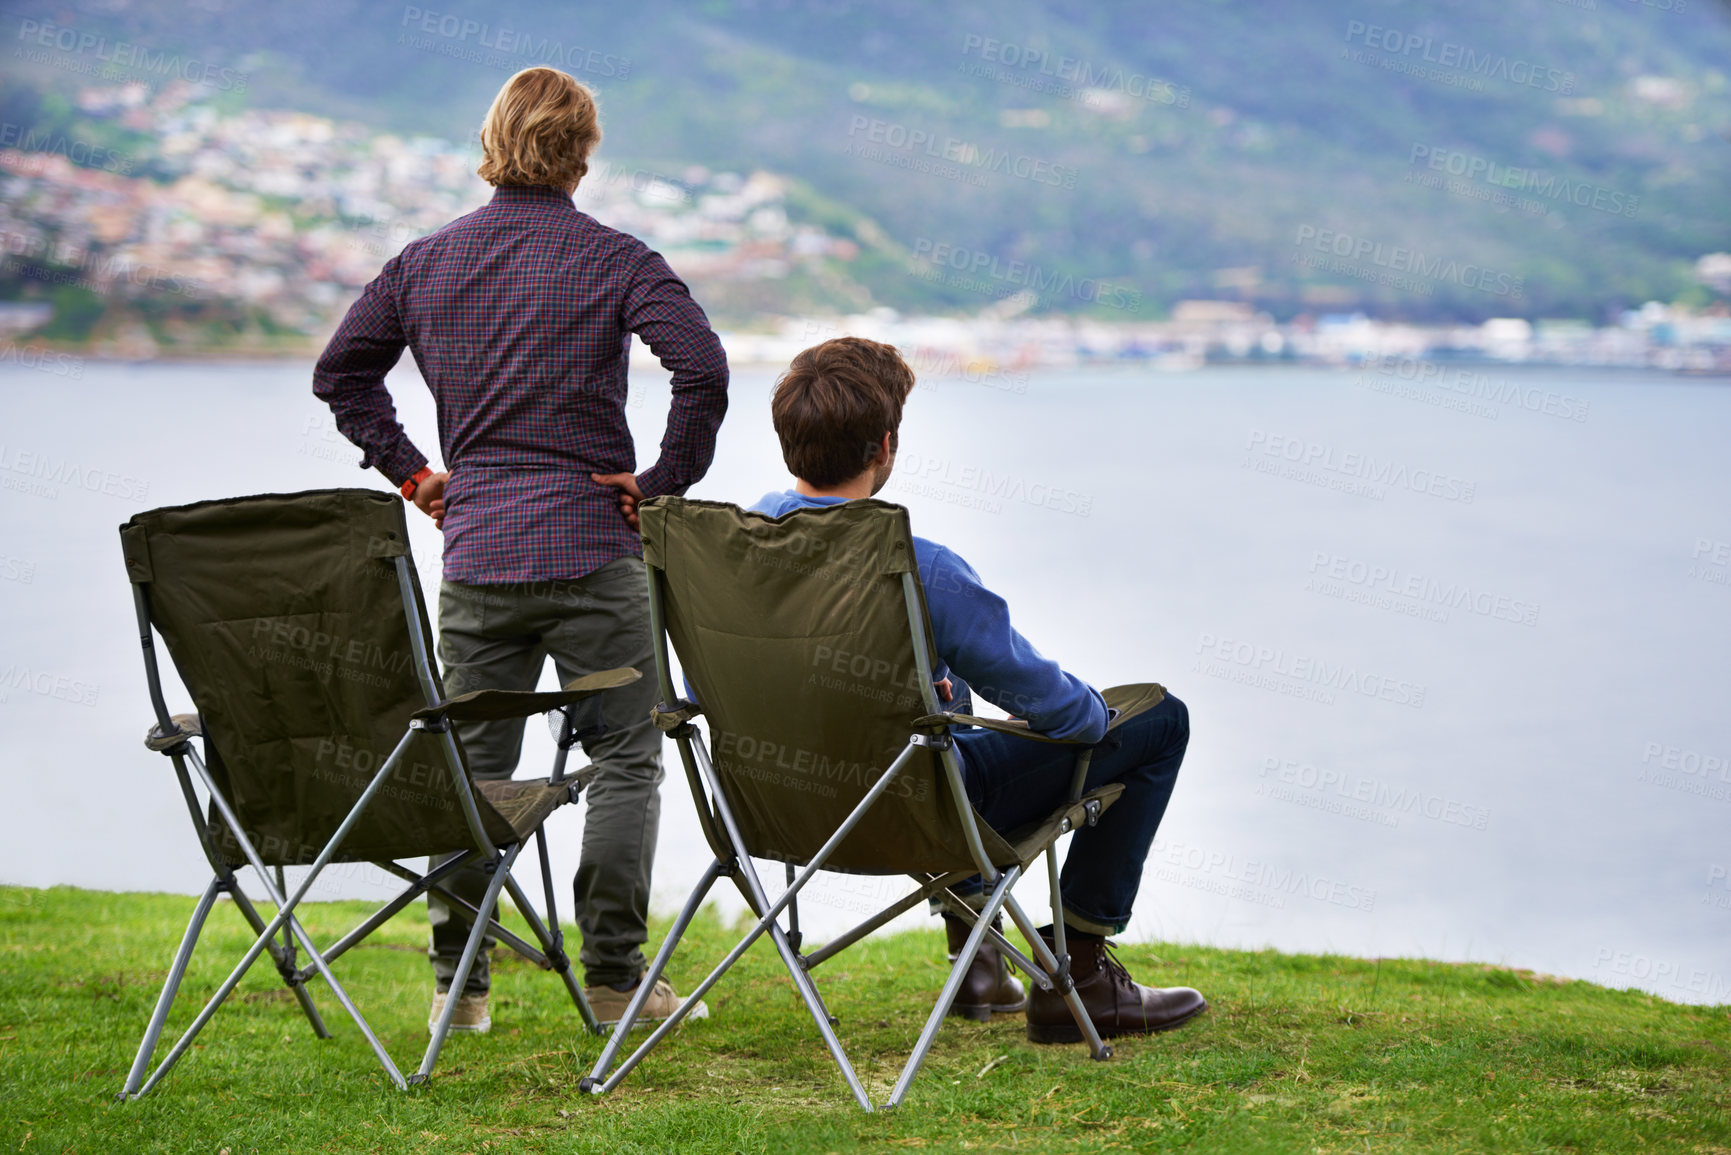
1535 158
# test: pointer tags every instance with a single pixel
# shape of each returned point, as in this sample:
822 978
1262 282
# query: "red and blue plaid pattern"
520 316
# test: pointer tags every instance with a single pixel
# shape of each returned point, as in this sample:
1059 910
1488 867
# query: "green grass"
1299 1053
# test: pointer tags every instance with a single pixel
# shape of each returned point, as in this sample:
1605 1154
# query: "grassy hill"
1299 1053
1219 129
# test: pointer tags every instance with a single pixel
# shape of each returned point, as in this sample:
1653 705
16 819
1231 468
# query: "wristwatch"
414 483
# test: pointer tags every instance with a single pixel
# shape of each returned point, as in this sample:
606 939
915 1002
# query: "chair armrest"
496 705
1122 703
190 726
1125 702
1003 726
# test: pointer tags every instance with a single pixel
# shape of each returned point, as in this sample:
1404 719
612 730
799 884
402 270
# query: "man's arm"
971 626
659 309
350 378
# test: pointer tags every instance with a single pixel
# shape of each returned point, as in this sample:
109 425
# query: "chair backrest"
796 636
286 618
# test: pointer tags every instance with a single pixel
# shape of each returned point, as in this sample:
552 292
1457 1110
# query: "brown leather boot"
1116 1002
988 988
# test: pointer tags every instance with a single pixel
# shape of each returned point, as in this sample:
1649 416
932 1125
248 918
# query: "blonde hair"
540 131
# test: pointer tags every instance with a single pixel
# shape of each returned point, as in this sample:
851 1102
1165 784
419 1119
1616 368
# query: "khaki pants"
500 637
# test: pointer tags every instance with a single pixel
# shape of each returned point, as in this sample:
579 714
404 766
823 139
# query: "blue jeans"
1012 781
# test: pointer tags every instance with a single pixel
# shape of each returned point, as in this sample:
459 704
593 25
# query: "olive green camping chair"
295 622
806 643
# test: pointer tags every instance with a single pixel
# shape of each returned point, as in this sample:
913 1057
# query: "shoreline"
214 356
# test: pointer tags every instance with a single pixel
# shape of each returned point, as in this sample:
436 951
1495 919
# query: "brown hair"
835 403
540 131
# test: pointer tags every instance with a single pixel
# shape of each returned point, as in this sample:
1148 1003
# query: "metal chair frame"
1049 968
495 859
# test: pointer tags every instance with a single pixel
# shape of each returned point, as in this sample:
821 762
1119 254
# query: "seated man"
837 411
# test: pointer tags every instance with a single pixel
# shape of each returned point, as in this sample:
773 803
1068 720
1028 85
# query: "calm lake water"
1457 656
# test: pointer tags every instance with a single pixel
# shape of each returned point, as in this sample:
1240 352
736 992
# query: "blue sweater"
971 626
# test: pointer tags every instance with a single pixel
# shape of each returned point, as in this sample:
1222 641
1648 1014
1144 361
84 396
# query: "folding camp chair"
806 642
296 623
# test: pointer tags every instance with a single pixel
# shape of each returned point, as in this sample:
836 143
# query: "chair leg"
418 884
288 942
1043 954
801 981
1012 954
755 894
285 916
555 942
471 949
820 1015
463 908
170 987
1096 1048
296 983
209 1009
291 977
552 944
794 938
954 984
593 1081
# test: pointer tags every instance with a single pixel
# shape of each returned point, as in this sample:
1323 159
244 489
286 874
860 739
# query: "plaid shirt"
520 317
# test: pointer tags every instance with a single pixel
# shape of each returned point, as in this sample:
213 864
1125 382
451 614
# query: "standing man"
520 317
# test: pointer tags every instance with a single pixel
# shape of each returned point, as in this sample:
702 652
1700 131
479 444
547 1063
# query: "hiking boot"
609 1003
988 988
471 1013
1117 1003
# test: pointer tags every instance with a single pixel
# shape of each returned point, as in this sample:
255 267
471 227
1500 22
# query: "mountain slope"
1193 149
